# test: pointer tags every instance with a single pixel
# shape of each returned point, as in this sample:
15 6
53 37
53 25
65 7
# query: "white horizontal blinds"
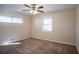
5 19
47 20
47 24
16 20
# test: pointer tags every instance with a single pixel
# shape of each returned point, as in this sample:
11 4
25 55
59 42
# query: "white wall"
77 29
17 32
63 28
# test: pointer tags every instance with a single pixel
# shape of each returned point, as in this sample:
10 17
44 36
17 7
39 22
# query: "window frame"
16 18
11 20
47 24
6 19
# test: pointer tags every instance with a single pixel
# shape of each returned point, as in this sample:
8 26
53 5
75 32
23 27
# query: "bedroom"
39 28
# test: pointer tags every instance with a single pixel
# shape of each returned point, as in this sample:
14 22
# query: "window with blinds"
47 24
7 19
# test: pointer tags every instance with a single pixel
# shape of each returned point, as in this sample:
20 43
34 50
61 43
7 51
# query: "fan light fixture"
33 11
34 8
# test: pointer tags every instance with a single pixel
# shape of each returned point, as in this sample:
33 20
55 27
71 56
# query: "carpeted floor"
37 46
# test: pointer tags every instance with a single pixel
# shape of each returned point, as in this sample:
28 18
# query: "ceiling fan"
34 8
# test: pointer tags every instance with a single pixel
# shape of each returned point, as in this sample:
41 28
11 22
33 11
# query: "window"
16 20
7 19
47 24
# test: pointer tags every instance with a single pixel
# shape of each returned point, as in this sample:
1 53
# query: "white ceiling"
47 7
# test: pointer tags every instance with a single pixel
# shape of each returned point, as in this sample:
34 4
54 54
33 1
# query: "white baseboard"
55 41
14 41
41 39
